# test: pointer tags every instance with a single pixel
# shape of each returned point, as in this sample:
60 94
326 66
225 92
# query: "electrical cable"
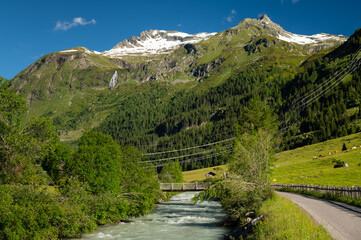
184 149
188 155
194 160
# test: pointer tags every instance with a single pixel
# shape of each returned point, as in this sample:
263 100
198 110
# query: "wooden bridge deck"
183 187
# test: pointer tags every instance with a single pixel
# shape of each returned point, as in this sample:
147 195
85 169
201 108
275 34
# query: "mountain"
154 42
313 43
167 89
162 55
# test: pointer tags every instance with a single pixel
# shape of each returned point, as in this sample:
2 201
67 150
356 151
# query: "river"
176 219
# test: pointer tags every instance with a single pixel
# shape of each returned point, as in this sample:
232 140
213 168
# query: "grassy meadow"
305 166
200 174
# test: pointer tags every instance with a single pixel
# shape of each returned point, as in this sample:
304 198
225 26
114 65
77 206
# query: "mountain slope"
179 96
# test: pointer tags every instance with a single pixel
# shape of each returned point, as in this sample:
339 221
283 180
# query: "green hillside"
314 164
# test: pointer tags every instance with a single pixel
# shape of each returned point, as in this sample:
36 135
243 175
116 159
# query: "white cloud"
179 25
231 15
65 25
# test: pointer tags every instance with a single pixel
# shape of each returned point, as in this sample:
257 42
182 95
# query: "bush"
237 198
33 213
338 163
171 172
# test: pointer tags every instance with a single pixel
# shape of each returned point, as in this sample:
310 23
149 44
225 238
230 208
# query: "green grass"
298 166
284 220
200 174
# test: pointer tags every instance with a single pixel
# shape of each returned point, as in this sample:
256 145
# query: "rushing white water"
177 219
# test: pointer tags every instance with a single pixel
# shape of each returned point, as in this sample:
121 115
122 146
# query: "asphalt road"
342 221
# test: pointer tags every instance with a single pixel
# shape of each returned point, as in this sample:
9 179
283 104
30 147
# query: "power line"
302 98
195 159
164 143
300 102
327 88
188 155
314 98
333 82
184 149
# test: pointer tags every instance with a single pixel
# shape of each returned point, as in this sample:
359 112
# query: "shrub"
171 172
237 198
338 163
33 213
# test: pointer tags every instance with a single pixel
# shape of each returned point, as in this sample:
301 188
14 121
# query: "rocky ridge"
312 43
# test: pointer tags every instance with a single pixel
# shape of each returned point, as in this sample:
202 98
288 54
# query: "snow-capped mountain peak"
281 34
154 42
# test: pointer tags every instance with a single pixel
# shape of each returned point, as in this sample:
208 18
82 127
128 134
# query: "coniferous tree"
344 148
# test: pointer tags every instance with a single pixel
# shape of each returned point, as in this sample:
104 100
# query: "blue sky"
30 29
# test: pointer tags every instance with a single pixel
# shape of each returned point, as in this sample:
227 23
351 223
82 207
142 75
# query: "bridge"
184 187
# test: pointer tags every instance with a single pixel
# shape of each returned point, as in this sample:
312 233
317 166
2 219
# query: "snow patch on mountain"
154 42
80 49
313 39
69 50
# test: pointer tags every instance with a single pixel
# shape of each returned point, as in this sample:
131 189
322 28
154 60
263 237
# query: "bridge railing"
352 192
195 186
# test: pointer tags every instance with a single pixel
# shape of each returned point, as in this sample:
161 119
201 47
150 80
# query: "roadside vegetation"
327 196
285 220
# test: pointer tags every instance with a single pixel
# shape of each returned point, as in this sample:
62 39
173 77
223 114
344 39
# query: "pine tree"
344 148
